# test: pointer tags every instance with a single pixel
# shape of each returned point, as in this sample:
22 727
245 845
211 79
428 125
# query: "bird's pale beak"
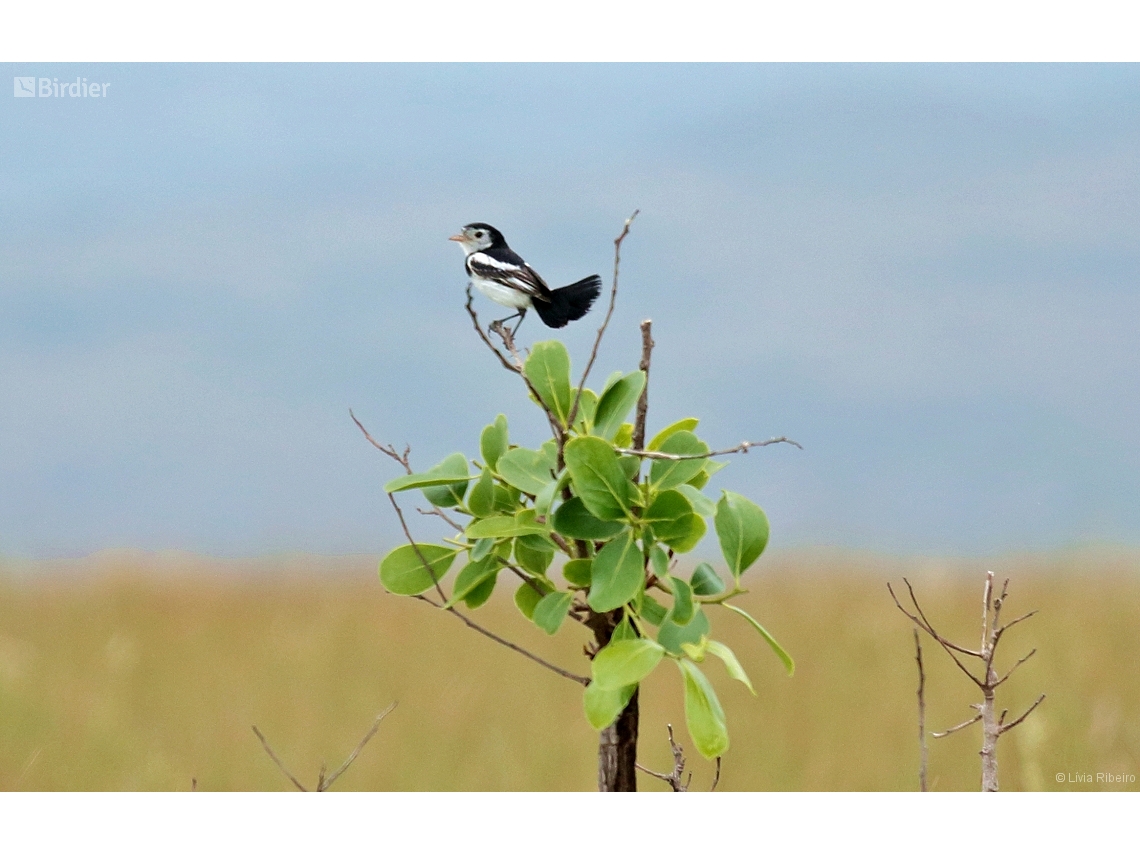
457 237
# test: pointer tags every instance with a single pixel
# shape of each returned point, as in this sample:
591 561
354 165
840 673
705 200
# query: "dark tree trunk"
617 752
617 744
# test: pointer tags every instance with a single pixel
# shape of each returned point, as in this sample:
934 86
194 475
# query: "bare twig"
605 323
673 779
958 727
326 783
921 712
643 400
924 625
436 512
277 760
323 783
506 363
1008 727
416 548
993 726
736 449
585 681
716 777
402 459
1016 665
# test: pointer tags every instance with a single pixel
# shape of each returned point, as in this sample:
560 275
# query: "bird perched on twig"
500 274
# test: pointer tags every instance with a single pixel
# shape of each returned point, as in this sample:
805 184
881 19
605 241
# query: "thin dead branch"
674 778
506 363
922 754
585 681
402 459
606 322
993 630
1006 728
643 400
958 727
736 449
323 783
360 747
273 756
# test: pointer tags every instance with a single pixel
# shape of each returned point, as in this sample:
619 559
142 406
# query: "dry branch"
992 632
323 783
736 449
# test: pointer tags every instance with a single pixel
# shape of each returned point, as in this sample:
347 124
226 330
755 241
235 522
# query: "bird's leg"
522 316
499 323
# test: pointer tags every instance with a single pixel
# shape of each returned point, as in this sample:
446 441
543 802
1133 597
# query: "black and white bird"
500 274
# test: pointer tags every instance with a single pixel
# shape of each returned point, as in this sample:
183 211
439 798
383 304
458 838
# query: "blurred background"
925 274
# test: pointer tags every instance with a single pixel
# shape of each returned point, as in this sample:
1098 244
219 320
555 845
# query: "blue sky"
926 274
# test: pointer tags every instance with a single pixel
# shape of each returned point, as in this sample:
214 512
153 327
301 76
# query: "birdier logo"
52 87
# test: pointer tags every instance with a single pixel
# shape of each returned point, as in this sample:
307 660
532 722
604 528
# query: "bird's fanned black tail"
569 303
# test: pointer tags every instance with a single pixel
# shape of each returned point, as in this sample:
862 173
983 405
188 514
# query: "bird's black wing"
506 267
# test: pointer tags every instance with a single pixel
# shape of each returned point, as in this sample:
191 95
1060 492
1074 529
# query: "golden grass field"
137 671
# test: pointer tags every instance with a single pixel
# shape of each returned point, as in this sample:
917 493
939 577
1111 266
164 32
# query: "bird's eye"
478 234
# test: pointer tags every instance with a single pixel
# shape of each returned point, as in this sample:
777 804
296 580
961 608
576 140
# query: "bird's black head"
480 236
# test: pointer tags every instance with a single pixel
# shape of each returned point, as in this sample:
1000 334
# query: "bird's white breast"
501 294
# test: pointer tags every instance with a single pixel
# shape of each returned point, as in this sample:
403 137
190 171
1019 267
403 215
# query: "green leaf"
481 592
481 500
742 530
548 369
552 610
494 441
789 665
672 635
730 662
624 631
659 561
624 437
605 705
526 470
617 574
574 521
663 434
530 594
471 577
521 523
482 548
705 581
630 465
622 663
664 474
507 500
697 651
616 402
701 503
703 712
598 478
537 542
699 480
577 572
682 611
587 406
530 559
403 573
544 498
451 470
673 522
652 611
